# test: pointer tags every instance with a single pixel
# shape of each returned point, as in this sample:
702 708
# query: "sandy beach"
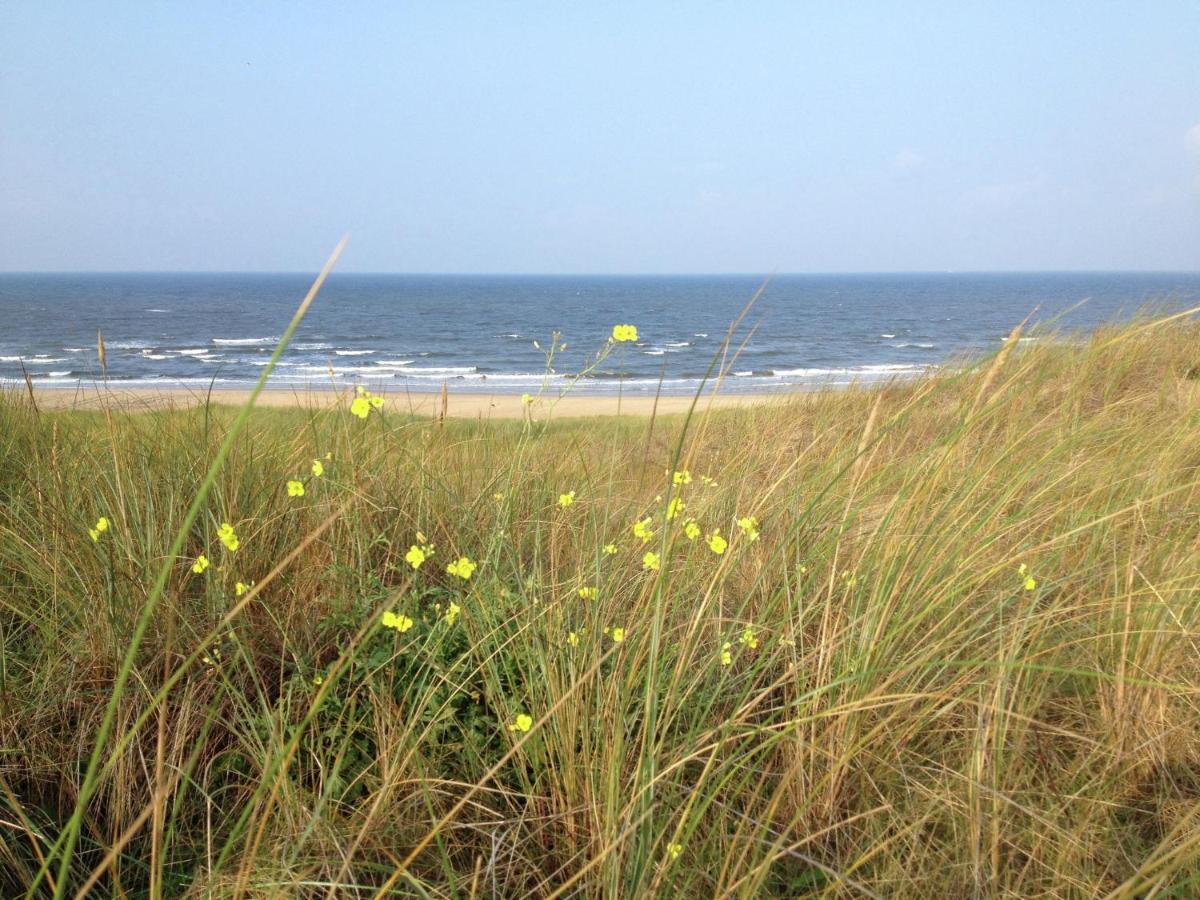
458 405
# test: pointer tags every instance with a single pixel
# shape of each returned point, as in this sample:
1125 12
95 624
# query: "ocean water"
477 333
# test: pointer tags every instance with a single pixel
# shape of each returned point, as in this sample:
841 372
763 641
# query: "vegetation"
949 646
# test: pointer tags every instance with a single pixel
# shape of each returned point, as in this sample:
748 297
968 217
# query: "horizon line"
449 274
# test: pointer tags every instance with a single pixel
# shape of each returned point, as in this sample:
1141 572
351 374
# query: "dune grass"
951 646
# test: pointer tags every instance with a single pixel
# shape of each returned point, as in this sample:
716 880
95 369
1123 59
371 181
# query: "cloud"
1191 138
906 161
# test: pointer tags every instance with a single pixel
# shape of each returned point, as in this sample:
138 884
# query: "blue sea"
483 333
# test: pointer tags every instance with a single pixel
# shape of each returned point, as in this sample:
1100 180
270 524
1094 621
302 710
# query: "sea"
494 333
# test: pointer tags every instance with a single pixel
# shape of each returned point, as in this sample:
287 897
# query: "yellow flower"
527 399
318 679
452 612
609 549
673 850
566 499
573 639
227 537
588 593
318 468
708 482
684 477
360 407
1028 580
716 543
651 561
211 659
241 587
463 568
497 496
376 402
674 508
622 333
295 488
691 529
200 564
749 527
417 555
523 722
726 656
618 635
748 638
101 527
400 622
642 529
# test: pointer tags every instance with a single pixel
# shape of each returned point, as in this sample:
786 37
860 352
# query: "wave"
915 345
887 336
155 356
127 345
442 370
158 310
193 351
392 362
347 370
11 358
246 341
353 352
676 344
853 371
43 360
317 346
75 349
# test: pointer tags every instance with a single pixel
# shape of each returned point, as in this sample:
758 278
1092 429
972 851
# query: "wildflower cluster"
624 333
749 527
462 568
101 527
1028 581
642 530
396 621
418 552
364 401
227 536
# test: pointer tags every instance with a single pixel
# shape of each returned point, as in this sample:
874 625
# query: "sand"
458 405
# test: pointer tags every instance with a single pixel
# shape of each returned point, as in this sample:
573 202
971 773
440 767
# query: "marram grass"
936 639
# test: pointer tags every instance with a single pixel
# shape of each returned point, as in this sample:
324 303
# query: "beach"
471 405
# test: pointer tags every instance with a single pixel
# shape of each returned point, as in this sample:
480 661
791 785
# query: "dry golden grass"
901 716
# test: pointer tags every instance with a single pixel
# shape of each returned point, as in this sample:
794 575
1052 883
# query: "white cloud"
907 160
1192 138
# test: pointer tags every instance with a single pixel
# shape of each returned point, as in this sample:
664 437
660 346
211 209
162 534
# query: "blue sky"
600 137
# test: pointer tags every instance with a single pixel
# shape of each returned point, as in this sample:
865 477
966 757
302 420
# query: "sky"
602 137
